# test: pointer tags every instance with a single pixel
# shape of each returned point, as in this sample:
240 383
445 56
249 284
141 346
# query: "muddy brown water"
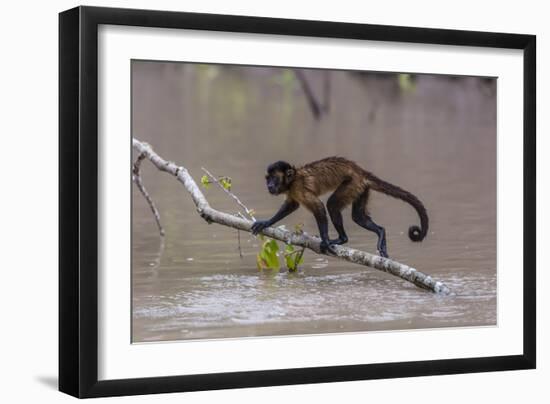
437 141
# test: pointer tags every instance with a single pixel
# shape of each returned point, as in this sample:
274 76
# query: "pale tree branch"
279 233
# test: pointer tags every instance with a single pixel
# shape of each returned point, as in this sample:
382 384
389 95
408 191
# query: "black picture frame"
78 201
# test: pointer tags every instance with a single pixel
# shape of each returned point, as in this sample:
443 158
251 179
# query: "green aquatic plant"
268 258
293 257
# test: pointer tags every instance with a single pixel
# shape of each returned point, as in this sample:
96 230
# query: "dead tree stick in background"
310 96
301 240
326 91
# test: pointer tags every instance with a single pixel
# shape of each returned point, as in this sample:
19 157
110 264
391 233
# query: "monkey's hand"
259 225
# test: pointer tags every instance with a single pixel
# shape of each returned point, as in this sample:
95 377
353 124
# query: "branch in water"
139 183
301 240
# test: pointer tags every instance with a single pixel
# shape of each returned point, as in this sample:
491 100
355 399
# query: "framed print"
250 201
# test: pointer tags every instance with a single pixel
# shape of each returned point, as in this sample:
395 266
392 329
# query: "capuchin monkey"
351 185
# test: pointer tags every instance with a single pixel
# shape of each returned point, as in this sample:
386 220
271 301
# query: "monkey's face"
276 183
279 177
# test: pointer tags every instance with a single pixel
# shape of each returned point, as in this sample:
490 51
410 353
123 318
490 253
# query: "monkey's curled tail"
415 233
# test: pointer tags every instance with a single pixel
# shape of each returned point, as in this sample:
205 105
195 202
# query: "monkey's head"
279 177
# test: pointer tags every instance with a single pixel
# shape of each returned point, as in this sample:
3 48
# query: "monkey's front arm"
286 209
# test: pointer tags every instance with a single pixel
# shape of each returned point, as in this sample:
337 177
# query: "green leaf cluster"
267 257
293 258
205 181
226 182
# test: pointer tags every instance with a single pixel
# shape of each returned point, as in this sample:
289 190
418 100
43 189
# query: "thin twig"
239 214
242 205
239 236
300 256
239 243
139 183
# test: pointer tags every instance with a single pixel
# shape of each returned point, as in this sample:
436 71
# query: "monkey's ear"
290 173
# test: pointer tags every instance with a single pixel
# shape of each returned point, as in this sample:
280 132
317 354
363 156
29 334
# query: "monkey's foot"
381 247
338 241
328 247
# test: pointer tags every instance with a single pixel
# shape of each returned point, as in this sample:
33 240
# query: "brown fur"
319 177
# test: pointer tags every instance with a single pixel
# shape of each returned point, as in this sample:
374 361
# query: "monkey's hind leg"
315 206
342 197
360 216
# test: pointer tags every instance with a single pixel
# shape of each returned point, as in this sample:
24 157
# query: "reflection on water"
438 141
